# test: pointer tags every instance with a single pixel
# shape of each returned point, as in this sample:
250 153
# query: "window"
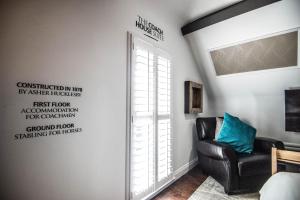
151 130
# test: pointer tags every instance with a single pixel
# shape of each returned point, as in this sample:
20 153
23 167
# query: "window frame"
158 186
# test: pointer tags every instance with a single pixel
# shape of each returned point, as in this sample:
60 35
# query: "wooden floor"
183 188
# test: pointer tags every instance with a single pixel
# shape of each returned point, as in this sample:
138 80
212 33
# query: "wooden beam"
226 13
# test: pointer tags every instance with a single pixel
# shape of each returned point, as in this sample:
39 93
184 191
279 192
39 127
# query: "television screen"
292 110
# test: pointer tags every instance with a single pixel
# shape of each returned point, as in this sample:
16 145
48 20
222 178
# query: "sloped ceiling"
275 18
257 97
200 8
190 10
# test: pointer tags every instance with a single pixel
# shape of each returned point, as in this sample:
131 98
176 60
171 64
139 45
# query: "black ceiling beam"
226 13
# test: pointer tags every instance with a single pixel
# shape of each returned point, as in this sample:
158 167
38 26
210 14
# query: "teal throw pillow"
239 135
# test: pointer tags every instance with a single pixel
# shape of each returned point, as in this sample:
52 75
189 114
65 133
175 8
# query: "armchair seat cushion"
254 164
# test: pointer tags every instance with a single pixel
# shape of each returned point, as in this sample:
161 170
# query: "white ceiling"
200 8
190 10
247 27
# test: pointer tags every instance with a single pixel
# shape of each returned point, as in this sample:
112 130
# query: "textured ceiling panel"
268 53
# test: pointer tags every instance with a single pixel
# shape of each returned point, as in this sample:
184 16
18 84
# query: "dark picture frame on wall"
193 97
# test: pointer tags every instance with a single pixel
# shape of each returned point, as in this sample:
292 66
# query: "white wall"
257 97
80 43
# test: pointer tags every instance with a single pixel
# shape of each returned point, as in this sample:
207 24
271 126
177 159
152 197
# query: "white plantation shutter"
142 145
164 117
151 142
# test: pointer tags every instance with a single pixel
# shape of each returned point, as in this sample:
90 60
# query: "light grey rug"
210 189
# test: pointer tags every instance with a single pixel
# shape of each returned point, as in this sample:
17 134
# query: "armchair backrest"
206 128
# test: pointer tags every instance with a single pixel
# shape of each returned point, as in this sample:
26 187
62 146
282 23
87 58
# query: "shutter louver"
164 115
143 125
151 148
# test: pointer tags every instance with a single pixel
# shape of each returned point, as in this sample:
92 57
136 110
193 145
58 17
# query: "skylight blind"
151 141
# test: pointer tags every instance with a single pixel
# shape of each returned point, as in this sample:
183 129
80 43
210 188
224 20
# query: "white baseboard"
185 168
291 146
176 175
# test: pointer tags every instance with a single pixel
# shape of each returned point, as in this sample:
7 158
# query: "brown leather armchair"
238 173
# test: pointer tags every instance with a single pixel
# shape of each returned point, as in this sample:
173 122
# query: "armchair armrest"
216 150
264 145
